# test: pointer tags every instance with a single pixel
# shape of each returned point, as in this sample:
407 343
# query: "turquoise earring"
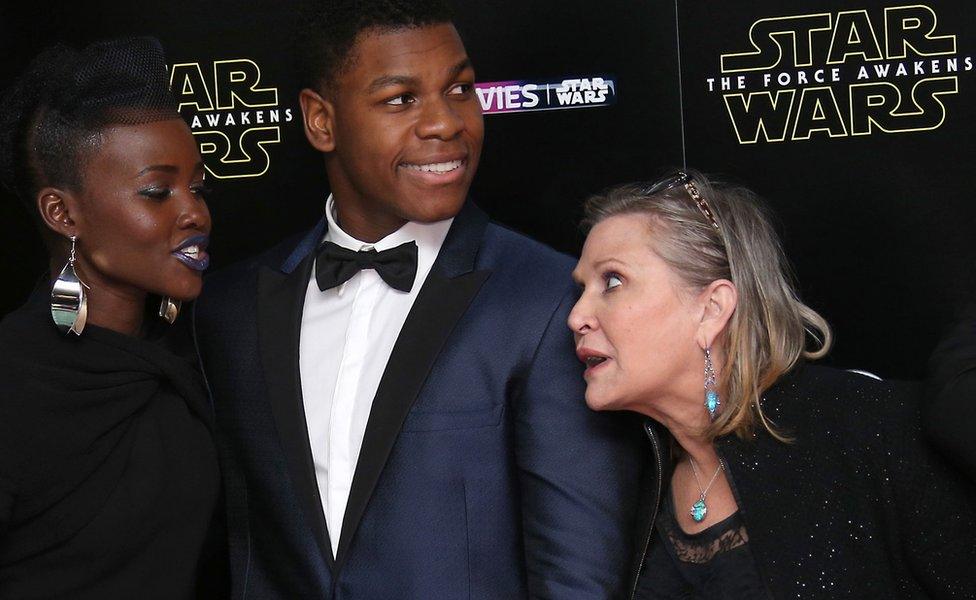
712 401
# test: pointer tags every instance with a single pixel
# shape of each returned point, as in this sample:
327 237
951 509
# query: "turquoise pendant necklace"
700 509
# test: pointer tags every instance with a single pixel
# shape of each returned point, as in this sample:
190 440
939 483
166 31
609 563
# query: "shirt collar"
429 236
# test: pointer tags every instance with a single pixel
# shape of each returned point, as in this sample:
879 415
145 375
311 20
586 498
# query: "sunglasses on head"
683 179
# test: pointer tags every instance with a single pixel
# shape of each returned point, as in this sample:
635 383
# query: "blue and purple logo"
521 96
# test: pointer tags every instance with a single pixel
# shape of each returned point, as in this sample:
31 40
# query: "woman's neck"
687 426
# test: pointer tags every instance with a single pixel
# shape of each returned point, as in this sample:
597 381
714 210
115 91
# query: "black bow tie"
336 265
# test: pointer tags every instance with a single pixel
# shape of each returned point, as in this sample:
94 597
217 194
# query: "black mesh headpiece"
51 117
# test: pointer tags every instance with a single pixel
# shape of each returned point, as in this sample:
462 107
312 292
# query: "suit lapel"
449 289
281 297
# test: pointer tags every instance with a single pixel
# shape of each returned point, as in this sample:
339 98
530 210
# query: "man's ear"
717 301
60 211
318 116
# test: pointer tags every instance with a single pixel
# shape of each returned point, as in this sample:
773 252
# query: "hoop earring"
169 309
69 303
712 401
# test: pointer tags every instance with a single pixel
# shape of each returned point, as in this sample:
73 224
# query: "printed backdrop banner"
853 119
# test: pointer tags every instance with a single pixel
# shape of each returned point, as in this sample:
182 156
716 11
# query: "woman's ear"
318 116
718 301
59 210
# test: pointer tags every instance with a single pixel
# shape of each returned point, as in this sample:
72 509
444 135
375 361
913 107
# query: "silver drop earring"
169 309
712 401
69 303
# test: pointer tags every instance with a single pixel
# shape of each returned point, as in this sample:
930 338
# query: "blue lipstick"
192 252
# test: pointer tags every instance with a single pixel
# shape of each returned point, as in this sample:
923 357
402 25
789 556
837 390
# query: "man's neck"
363 226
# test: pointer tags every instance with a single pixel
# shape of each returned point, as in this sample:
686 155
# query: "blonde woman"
768 476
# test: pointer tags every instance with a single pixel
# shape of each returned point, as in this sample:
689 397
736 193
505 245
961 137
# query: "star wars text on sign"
850 73
233 116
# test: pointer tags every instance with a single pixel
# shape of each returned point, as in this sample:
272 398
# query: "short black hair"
329 29
52 116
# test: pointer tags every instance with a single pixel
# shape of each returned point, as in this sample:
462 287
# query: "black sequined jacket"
857 506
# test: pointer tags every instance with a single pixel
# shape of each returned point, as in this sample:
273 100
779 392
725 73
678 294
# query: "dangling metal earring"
169 309
712 401
69 303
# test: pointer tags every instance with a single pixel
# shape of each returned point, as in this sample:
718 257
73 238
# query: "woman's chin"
184 291
598 401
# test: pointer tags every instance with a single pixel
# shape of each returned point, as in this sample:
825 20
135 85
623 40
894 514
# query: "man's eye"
460 89
613 280
400 100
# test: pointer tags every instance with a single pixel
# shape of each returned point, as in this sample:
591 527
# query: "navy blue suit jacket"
482 472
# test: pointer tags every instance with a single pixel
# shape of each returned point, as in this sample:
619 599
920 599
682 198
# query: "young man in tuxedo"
399 405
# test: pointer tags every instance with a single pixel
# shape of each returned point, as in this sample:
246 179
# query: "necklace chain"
694 469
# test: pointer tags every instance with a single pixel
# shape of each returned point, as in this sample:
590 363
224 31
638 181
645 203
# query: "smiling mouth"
435 168
192 253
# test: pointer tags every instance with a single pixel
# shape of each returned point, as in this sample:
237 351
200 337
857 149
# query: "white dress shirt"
347 336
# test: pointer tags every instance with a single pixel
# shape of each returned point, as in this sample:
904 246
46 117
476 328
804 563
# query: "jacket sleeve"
934 506
949 412
578 474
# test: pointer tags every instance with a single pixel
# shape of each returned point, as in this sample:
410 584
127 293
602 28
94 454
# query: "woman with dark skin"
108 475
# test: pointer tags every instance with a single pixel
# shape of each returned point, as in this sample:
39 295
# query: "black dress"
108 475
713 564
857 506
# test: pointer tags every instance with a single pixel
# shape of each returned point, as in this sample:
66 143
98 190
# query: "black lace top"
715 563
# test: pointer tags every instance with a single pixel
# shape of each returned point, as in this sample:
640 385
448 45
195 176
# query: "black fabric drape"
108 476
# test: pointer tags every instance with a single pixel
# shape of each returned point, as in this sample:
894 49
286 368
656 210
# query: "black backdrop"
877 225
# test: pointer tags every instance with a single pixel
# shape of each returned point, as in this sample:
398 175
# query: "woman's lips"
593 365
200 263
592 359
192 252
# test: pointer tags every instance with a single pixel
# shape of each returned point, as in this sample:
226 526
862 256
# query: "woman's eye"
202 191
460 89
400 100
612 281
155 193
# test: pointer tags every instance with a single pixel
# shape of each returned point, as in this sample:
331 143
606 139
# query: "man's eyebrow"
387 80
407 80
461 66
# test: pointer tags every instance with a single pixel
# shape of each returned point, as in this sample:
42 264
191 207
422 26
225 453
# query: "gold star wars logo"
232 115
850 73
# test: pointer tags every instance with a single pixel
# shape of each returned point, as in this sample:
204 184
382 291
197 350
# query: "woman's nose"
580 319
194 215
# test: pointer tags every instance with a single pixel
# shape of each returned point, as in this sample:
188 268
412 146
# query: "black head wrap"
51 117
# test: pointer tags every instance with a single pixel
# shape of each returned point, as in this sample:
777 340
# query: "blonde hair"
769 329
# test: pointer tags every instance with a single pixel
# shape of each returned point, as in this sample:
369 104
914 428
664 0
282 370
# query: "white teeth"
444 167
191 251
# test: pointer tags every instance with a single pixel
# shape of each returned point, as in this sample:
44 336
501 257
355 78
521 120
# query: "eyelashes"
158 194
400 100
202 190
